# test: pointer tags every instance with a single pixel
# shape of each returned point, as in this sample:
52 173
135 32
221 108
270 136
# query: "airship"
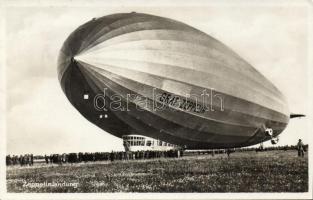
144 75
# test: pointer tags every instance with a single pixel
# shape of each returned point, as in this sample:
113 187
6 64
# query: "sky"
39 118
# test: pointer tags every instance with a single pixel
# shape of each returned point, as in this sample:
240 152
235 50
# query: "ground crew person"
300 148
46 159
112 156
31 159
228 152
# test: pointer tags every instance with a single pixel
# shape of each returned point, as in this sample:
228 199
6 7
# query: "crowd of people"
23 160
28 159
92 157
300 146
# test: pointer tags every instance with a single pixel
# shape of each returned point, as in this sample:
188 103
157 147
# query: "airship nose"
73 46
65 62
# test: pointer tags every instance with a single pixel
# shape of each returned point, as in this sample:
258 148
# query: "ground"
271 171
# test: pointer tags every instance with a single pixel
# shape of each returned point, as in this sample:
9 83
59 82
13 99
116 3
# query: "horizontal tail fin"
296 115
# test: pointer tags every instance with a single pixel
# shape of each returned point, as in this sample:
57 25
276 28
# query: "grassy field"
274 171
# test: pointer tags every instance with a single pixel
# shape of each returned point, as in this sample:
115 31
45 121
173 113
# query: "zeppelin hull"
164 79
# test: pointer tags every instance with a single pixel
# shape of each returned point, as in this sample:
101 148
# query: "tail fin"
292 115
